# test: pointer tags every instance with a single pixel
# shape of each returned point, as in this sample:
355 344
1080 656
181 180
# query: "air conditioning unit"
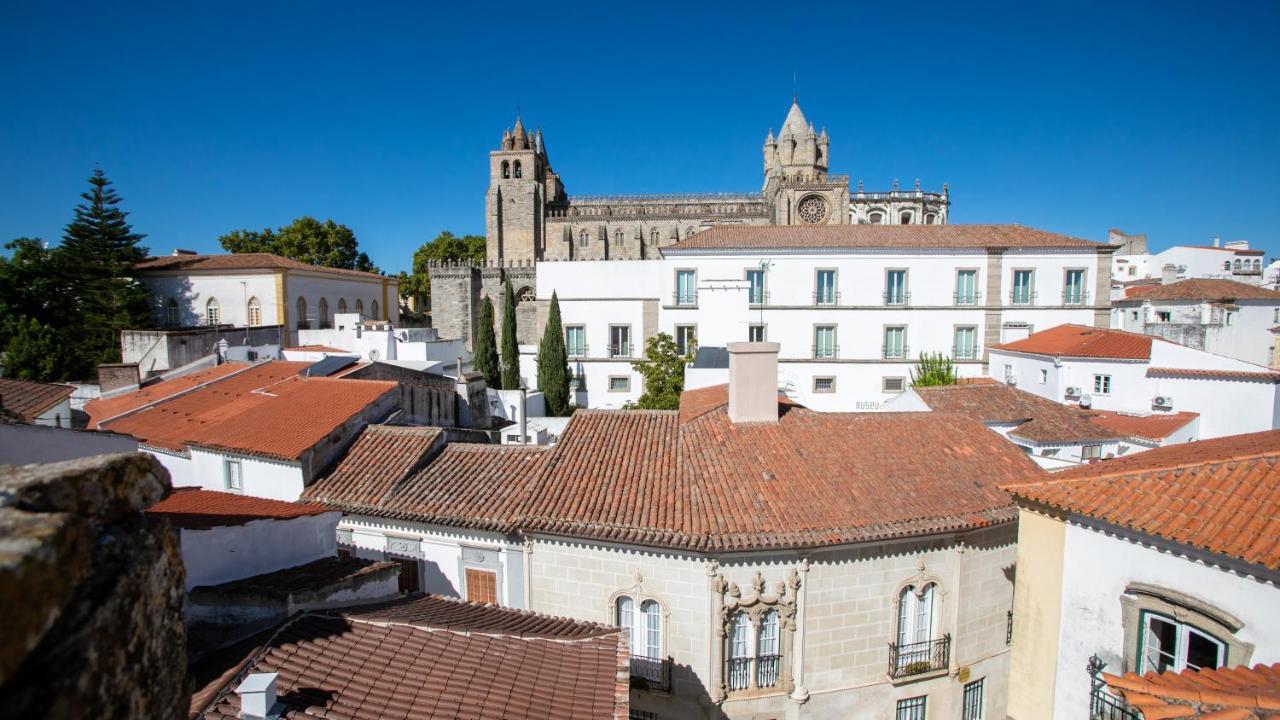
1073 391
1162 401
1086 401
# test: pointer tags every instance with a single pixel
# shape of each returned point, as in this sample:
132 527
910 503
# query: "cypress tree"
553 363
486 347
510 350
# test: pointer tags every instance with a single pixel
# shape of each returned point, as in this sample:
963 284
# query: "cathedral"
530 216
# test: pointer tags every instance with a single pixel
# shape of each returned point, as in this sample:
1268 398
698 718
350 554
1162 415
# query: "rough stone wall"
92 592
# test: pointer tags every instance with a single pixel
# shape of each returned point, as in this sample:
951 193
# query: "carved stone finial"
780 588
793 579
757 583
713 567
718 585
734 591
920 564
637 576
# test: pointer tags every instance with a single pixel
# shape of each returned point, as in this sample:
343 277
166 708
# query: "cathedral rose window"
812 209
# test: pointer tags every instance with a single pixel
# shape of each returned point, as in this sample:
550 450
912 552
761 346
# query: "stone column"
798 580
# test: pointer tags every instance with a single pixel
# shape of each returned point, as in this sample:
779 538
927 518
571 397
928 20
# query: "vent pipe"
258 696
753 382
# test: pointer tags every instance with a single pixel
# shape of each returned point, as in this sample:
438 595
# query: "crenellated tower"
521 183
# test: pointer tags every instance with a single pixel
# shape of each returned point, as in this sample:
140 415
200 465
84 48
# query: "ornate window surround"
1143 597
729 601
939 624
639 595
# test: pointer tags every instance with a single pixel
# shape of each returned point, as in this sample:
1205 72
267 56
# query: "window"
373 310
971 707
1044 376
482 586
172 318
1167 644
824 384
322 314
876 218
1073 288
930 219
911 708
966 347
825 293
1091 452
619 341
767 655
904 218
915 623
360 307
739 670
232 475
824 341
1022 292
410 575
1226 265
755 283
895 287
302 314
654 236
651 647
1008 374
255 311
686 287
506 169
966 287
619 383
575 340
342 305
515 169
1133 315
895 342
212 313
893 384
756 333
584 239
686 338
1102 384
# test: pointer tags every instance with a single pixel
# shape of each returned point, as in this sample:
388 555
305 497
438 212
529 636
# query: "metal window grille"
911 708
738 673
767 670
907 659
972 706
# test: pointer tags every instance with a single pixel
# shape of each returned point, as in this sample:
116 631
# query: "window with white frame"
1167 644
756 332
971 706
232 475
755 285
686 287
966 287
619 383
824 341
212 312
619 341
915 624
895 342
1102 384
911 708
966 342
686 338
575 340
1023 294
1073 287
643 622
895 287
255 311
767 653
825 288
1091 452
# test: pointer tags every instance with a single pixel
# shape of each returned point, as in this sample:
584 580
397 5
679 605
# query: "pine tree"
95 260
486 347
510 350
553 363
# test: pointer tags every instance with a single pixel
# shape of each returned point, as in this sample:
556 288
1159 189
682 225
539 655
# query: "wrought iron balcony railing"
1075 297
767 667
826 298
757 297
895 352
737 673
579 351
826 352
897 298
685 299
967 298
651 673
965 352
1022 297
921 657
621 350
1102 704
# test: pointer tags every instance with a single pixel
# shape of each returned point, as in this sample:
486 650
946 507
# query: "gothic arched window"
515 170
584 239
255 311
303 324
875 218
171 316
373 310
360 307
342 305
930 219
323 313
506 169
654 237
617 237
212 312
905 218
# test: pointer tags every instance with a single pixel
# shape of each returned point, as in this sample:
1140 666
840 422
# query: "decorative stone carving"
812 209
730 601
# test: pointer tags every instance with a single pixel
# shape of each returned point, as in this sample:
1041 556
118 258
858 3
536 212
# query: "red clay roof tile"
1201 289
1084 342
1260 375
1144 427
782 237
1039 419
242 261
196 509
1210 694
28 399
106 408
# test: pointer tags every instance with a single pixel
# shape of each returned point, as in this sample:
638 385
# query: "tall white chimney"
1168 274
1217 241
257 696
753 381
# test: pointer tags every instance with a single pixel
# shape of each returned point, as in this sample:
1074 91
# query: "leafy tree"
307 240
38 352
486 346
510 350
663 371
933 369
29 286
446 247
553 363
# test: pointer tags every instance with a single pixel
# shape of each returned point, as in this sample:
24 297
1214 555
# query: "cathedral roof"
795 124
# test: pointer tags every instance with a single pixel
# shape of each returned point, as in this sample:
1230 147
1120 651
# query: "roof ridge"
1059 481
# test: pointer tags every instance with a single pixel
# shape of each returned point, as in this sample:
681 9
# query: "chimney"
257 696
1168 274
753 382
1217 241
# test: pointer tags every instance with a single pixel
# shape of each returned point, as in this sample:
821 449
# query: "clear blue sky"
1158 118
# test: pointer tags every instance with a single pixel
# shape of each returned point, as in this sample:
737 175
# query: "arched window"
675 233
342 305
767 651
303 324
322 314
1257 265
876 218
626 618
688 232
643 628
617 237
930 219
584 239
171 316
738 675
905 218
654 237
915 625
373 310
516 171
212 313
1237 264
360 307
255 311
506 169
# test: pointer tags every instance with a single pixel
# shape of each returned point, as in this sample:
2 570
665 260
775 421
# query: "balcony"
1102 704
621 350
1022 297
966 299
579 351
651 673
1075 297
965 352
895 352
919 658
826 352
897 298
826 298
684 299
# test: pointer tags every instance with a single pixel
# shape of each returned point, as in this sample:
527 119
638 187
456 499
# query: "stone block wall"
92 592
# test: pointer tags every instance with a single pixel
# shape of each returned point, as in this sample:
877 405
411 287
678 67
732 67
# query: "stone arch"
516 170
506 169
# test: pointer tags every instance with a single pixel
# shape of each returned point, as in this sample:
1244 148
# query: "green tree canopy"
553 363
933 369
307 240
29 286
510 349
486 347
663 371
446 247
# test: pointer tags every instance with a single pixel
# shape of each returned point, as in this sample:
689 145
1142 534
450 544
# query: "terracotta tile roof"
1260 375
1236 251
266 410
693 479
1236 693
450 613
381 457
102 409
27 399
317 348
361 667
1084 342
1039 419
196 509
242 261
1220 495
1143 427
781 237
1138 291
1202 289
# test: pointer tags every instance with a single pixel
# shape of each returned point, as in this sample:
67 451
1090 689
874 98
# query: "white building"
251 289
1104 369
380 340
853 306
764 564
1163 561
1223 317
1231 261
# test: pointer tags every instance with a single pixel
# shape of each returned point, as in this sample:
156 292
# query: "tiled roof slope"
197 509
1236 693
752 237
356 667
242 261
1259 375
28 399
1083 341
449 613
1144 427
1204 289
1220 495
1041 419
266 410
380 458
694 480
102 409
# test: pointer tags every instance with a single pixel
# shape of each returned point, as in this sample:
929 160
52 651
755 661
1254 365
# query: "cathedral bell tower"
521 184
795 175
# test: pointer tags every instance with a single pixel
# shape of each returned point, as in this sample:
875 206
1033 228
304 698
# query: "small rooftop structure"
27 401
1037 419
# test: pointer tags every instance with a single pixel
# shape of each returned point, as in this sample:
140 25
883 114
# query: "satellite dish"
374 355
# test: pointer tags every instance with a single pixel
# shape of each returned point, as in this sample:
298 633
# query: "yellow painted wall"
1037 615
282 303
